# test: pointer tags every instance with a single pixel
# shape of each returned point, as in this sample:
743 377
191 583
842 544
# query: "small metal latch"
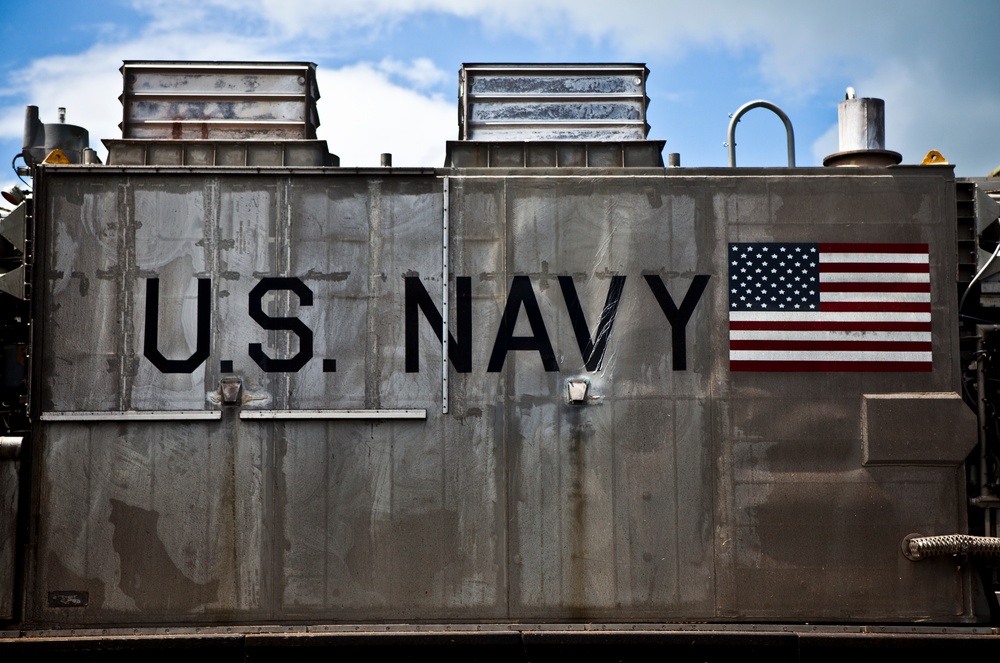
576 390
229 390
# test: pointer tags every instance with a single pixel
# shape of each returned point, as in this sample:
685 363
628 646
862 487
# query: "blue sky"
388 69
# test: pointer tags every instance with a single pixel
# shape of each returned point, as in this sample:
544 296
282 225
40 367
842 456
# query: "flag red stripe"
831 366
783 325
897 307
833 346
875 267
875 287
839 247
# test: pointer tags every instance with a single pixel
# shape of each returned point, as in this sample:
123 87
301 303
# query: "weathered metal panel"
915 429
582 102
678 489
152 522
9 483
803 520
231 153
358 505
219 100
554 154
601 492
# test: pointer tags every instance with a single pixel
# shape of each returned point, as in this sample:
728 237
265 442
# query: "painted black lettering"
460 349
678 317
592 349
522 294
150 345
294 325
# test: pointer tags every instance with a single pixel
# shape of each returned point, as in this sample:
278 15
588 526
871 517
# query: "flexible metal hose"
919 547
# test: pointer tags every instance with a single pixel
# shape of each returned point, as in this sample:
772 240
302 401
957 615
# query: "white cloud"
793 45
80 83
794 48
88 84
362 111
827 144
296 19
421 72
364 114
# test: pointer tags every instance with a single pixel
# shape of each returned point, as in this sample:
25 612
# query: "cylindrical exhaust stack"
41 138
862 134
862 124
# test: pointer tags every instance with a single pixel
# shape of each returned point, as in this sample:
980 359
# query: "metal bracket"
576 390
230 390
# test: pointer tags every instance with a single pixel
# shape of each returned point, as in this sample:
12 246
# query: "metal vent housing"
219 100
576 102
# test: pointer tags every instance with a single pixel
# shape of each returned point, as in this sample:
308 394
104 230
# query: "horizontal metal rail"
333 414
134 415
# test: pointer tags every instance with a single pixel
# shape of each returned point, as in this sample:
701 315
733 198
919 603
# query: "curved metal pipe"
917 547
760 103
10 447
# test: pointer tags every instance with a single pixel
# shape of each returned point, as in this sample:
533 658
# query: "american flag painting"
829 307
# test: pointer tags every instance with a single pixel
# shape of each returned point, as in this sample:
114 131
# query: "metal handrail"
760 103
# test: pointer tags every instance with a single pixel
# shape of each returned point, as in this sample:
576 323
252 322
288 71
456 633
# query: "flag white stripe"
875 296
831 316
873 277
806 355
802 335
922 258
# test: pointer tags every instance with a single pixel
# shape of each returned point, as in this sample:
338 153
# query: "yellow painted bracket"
933 158
56 156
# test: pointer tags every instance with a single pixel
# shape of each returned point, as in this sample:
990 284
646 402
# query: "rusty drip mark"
84 282
577 496
373 360
69 599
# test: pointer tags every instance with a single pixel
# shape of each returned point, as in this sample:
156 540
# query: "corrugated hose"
917 547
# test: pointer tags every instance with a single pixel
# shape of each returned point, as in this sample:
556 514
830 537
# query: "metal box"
219 100
538 102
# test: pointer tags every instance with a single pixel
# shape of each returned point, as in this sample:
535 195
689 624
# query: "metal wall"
677 490
9 484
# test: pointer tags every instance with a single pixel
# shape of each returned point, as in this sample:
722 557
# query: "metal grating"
966 244
554 154
228 153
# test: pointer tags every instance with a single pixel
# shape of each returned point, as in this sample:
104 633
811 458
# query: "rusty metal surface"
917 429
222 153
678 490
219 100
9 482
781 642
554 154
582 102
861 124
